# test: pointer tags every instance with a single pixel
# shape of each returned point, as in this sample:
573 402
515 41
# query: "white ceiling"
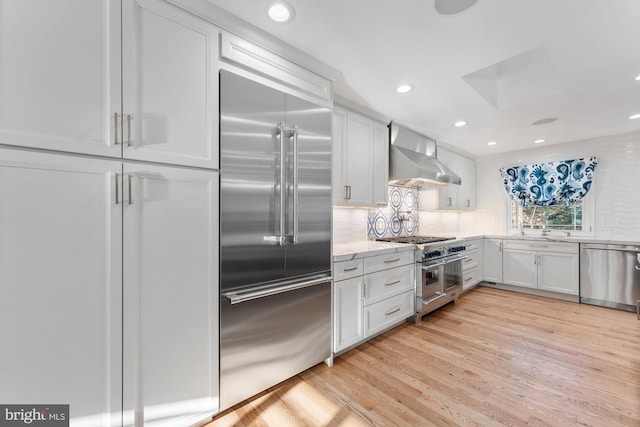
500 65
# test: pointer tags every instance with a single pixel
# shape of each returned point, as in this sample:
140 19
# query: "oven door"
432 278
453 272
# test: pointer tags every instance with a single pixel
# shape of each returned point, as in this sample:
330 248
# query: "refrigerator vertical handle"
295 184
279 238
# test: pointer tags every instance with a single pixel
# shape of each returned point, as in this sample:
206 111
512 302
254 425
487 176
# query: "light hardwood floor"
494 358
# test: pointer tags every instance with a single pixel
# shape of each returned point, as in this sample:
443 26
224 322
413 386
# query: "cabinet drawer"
470 277
384 284
385 262
389 312
347 269
472 260
529 245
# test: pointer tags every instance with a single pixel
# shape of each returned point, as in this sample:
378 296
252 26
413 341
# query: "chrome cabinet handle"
117 191
468 279
130 199
468 203
395 310
450 201
387 261
350 269
500 247
115 120
395 282
128 130
535 261
364 290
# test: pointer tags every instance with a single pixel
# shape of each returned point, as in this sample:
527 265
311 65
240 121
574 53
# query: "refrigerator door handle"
279 239
237 297
295 184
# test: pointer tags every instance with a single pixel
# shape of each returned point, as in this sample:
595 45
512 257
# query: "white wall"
349 225
616 185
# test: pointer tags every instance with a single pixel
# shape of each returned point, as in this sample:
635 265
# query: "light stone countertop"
367 248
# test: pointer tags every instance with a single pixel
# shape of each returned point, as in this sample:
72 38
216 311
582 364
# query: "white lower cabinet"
472 265
545 266
375 293
61 284
492 260
109 286
170 295
348 308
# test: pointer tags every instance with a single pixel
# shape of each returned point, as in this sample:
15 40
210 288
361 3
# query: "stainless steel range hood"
413 160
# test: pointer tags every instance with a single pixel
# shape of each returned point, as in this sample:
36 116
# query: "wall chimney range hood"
413 160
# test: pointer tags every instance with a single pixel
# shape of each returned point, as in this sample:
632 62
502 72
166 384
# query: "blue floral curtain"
553 183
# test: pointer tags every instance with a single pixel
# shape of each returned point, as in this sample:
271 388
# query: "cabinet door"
448 194
467 190
492 260
61 284
380 178
347 312
358 166
519 268
170 85
60 78
558 272
339 140
170 294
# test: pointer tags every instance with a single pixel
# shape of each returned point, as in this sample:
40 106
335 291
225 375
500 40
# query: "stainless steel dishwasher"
610 275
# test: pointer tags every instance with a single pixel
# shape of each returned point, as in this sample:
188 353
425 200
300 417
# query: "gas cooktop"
416 240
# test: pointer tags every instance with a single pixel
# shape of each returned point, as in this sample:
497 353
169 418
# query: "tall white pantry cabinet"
109 210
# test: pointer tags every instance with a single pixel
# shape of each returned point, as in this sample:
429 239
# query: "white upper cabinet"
451 196
61 284
360 160
69 82
60 75
467 190
170 85
170 257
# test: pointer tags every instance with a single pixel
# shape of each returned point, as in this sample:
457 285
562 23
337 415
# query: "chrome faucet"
545 231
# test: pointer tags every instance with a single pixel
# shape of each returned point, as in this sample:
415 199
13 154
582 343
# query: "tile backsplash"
399 218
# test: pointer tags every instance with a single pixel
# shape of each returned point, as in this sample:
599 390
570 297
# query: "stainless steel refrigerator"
275 236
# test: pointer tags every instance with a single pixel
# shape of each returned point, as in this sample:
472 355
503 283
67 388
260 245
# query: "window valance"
553 183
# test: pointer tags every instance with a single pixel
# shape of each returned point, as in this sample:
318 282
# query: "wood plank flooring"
494 358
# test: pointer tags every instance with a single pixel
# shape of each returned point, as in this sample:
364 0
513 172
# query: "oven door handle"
433 264
454 259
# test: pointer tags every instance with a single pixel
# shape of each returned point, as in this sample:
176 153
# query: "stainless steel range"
438 271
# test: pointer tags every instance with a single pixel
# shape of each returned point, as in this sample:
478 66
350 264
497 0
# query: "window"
576 220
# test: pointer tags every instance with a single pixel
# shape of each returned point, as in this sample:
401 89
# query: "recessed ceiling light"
492 143
460 124
404 88
638 77
280 11
539 141
635 116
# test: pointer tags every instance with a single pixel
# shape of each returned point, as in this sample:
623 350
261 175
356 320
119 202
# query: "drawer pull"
350 269
538 246
386 261
392 283
468 279
395 310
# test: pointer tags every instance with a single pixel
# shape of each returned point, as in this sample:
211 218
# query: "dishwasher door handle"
631 249
237 297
